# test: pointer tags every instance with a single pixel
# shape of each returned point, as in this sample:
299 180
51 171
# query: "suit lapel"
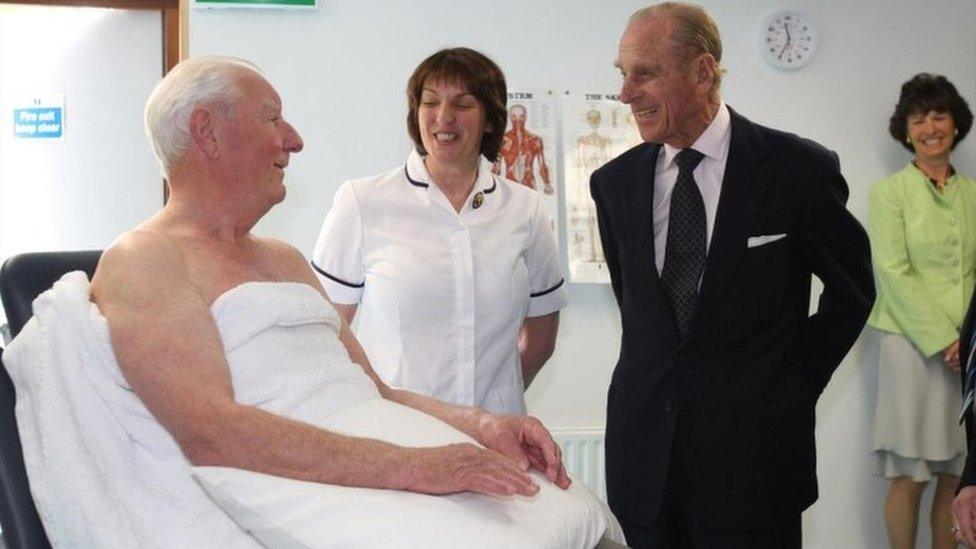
746 177
640 202
640 226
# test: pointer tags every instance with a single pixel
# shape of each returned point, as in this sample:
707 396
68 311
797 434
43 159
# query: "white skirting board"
583 457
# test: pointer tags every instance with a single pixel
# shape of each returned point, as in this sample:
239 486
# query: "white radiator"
583 457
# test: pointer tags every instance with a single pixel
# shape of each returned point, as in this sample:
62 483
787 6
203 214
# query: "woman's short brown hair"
479 75
924 93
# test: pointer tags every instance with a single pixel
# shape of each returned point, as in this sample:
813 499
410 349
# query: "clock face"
788 40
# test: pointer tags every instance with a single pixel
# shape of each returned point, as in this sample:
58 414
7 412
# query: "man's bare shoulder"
139 265
292 265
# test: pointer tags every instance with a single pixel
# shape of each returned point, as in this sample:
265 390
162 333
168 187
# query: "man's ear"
705 70
202 132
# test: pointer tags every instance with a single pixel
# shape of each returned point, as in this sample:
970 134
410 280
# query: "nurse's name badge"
479 199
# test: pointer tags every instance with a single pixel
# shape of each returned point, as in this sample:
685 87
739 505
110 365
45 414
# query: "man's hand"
962 516
465 467
951 356
526 441
521 440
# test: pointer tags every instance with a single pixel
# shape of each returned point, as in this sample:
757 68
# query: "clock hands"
786 46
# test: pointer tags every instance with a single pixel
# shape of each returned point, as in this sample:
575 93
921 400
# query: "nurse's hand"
526 441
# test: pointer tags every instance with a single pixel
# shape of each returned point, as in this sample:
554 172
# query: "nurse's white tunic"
441 293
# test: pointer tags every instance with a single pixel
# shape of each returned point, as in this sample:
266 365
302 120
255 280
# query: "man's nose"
293 141
626 92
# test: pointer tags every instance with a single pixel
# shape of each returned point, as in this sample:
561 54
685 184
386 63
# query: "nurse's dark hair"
479 75
927 92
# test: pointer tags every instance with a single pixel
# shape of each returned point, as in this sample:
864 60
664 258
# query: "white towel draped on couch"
104 473
102 470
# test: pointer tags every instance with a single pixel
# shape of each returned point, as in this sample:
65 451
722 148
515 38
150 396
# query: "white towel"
103 472
281 340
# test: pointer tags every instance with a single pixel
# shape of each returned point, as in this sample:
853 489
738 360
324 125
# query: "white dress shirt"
442 294
714 144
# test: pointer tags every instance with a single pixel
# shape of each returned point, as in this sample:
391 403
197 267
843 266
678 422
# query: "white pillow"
286 513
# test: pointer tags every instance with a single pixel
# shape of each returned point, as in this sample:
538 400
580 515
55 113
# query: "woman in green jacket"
922 224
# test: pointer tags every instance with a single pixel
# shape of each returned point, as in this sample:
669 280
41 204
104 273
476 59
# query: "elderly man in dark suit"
712 230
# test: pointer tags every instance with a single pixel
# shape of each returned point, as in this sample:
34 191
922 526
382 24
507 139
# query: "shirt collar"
416 170
419 177
952 173
713 142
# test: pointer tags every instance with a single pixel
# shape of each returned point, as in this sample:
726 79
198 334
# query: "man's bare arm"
522 438
170 352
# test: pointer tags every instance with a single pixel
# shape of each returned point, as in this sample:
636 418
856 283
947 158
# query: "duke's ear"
202 132
705 69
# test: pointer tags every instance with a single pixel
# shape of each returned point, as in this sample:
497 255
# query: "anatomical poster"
596 128
529 147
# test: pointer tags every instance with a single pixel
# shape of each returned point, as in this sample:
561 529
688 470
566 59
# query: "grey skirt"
916 419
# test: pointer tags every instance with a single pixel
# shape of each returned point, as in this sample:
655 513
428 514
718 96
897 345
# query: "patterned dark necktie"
684 253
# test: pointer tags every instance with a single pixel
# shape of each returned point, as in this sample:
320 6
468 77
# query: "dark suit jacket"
965 338
743 384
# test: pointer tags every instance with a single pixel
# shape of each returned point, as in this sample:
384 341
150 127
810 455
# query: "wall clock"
788 40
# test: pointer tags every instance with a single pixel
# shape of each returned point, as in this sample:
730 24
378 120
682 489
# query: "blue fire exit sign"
44 118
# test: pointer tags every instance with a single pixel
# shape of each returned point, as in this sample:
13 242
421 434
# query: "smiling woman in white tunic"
453 271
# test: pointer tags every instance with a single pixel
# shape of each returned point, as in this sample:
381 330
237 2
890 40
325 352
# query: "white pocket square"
762 240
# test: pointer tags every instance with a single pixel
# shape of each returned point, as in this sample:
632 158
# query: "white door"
99 178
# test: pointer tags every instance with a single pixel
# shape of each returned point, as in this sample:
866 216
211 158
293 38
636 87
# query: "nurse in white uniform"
452 270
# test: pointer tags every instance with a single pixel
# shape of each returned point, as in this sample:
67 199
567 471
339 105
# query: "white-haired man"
217 128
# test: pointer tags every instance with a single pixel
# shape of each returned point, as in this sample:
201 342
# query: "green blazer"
923 246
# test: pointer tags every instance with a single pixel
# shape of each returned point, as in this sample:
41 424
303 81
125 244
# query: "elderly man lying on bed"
227 342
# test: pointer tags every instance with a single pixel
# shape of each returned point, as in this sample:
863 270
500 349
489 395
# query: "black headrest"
23 277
